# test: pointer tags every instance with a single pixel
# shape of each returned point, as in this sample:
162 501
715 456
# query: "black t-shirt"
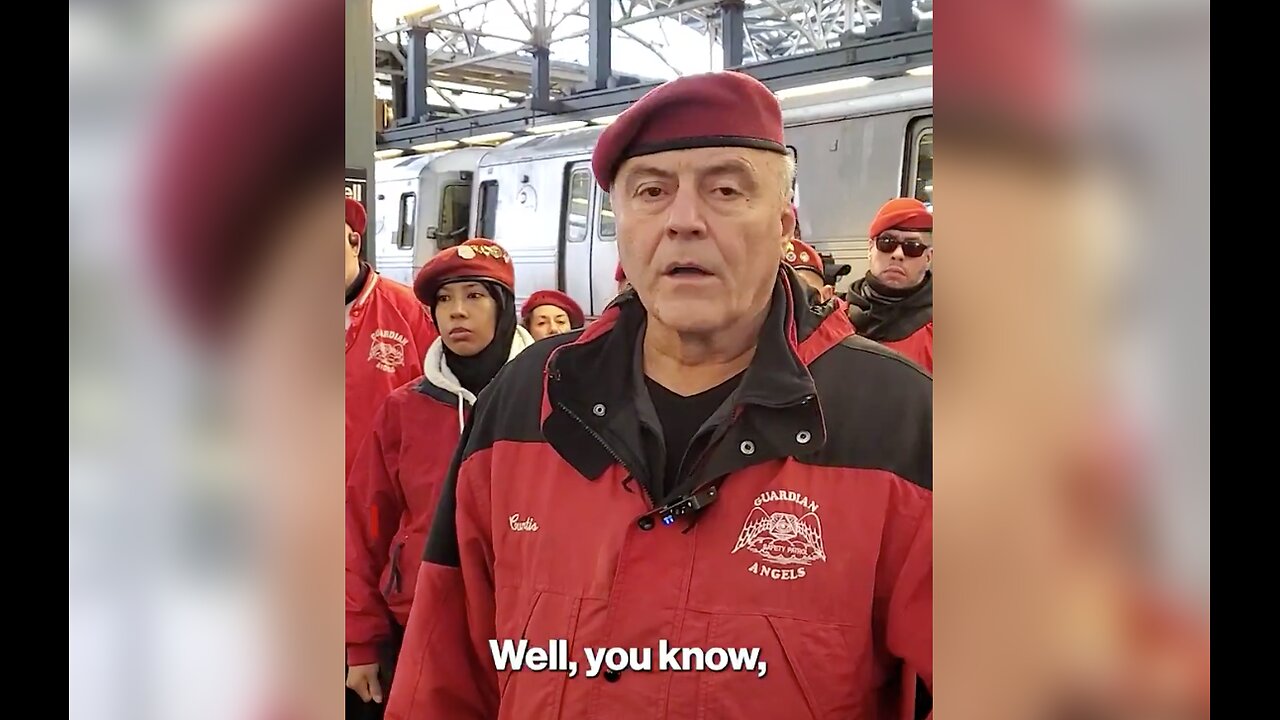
681 417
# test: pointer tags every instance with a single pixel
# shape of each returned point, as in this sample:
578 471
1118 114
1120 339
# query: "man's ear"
788 225
353 239
826 293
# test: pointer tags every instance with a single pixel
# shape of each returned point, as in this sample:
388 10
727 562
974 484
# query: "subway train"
855 148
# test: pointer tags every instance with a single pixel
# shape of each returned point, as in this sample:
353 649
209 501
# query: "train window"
921 185
455 202
608 230
795 159
408 220
488 208
578 201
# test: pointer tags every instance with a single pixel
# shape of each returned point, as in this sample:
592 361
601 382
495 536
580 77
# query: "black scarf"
476 371
353 290
887 314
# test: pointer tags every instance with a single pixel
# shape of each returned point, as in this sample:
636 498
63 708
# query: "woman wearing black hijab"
395 481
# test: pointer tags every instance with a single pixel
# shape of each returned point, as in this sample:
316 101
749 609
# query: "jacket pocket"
505 676
812 670
549 624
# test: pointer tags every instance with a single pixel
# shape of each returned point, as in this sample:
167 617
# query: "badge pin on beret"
466 252
791 253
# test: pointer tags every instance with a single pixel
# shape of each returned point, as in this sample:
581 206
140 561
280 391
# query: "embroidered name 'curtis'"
526 525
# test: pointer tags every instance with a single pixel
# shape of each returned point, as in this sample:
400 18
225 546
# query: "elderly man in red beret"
671 484
550 312
388 334
893 303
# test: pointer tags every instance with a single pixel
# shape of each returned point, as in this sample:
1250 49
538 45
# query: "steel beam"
540 76
895 17
416 79
599 45
360 133
672 10
475 33
733 33
475 60
428 19
876 57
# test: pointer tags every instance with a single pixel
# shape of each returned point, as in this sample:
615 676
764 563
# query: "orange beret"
719 109
356 216
558 299
802 257
475 259
902 214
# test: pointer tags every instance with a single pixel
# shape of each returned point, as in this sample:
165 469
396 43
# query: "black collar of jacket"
883 321
591 390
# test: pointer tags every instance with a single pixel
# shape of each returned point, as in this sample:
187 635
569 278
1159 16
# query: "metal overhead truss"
785 43
783 28
882 58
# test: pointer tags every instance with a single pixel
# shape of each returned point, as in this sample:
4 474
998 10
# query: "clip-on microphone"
686 505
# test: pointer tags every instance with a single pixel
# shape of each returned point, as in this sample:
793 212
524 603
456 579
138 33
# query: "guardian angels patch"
386 351
785 533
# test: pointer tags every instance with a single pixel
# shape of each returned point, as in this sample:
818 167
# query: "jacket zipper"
716 436
716 439
393 581
643 488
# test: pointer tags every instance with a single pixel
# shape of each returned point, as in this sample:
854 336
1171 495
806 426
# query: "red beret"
208 228
356 216
1011 69
475 259
902 214
618 274
558 299
719 109
802 257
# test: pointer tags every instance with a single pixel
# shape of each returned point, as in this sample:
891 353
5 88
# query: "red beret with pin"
476 259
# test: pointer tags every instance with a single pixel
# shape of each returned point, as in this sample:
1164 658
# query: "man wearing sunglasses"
893 304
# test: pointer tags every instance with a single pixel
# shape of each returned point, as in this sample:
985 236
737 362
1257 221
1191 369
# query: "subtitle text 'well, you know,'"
555 657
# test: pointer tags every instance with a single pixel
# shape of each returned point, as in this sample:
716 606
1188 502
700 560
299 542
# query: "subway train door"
604 254
576 234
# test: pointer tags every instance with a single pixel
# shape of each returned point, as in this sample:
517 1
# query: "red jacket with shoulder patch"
803 543
388 335
392 493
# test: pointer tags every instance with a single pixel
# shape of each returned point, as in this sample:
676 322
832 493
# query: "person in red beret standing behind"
809 267
671 479
401 466
893 303
387 334
551 312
